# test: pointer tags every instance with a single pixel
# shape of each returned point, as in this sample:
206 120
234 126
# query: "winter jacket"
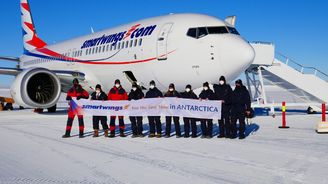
189 95
102 96
207 94
78 92
240 100
117 94
136 95
223 92
154 93
172 94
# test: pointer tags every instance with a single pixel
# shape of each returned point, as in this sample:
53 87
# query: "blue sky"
297 28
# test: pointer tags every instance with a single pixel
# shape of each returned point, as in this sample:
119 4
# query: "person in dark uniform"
117 93
189 94
78 92
223 92
101 96
154 92
206 124
172 93
136 121
241 105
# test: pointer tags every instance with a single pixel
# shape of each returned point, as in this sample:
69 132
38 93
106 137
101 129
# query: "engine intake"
36 88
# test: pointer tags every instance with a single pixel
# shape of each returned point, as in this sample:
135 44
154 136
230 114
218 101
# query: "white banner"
150 107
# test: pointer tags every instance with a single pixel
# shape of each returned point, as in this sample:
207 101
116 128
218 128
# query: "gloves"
68 98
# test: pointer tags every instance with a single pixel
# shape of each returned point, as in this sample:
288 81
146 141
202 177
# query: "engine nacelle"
36 88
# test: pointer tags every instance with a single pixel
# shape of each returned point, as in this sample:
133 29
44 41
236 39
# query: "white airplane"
176 48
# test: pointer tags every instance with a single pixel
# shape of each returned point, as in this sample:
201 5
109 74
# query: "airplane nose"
236 56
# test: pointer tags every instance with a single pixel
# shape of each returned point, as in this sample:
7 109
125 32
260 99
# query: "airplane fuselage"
168 49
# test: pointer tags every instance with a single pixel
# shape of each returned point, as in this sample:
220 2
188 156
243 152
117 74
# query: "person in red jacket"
78 92
117 93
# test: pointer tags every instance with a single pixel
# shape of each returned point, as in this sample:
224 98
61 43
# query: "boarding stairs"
308 84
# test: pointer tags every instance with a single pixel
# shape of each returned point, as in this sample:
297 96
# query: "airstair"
308 84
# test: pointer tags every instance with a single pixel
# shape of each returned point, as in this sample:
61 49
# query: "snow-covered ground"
32 151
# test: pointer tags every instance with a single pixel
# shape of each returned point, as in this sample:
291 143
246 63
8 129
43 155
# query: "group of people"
235 107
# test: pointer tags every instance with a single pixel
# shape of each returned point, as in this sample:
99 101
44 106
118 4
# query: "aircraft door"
162 41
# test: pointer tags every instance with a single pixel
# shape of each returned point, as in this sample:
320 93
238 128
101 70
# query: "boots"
106 133
96 133
122 133
81 134
67 134
112 134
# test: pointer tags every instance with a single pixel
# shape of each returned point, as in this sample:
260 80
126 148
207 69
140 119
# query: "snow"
32 151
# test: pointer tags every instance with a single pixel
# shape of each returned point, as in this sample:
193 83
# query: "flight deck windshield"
200 32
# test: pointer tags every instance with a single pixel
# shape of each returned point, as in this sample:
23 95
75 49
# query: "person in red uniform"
117 93
78 92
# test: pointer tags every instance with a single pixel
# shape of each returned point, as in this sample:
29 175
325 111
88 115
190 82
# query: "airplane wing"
15 59
10 71
65 76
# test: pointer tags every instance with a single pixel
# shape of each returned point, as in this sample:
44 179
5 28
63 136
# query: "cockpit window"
217 30
192 32
200 32
233 30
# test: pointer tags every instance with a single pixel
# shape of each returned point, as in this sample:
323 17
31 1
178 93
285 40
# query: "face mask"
205 88
117 85
151 86
187 90
171 89
221 82
134 89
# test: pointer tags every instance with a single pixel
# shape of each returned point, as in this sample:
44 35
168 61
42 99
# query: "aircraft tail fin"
30 39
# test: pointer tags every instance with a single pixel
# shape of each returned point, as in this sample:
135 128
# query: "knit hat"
239 82
117 81
188 86
98 86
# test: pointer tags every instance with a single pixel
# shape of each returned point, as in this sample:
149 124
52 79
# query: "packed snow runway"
32 151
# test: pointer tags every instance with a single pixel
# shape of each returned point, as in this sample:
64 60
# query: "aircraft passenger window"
107 47
111 47
192 32
115 46
135 42
202 31
217 30
104 48
119 45
126 44
122 45
140 41
233 30
93 50
131 42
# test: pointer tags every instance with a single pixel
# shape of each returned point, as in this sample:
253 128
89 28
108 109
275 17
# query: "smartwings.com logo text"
133 32
101 107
